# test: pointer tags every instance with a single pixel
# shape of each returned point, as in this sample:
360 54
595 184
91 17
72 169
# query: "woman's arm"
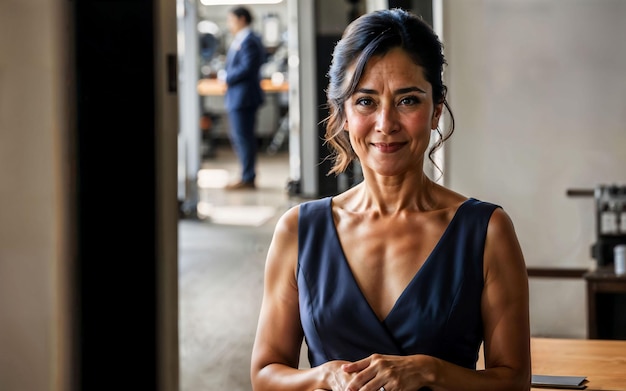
279 333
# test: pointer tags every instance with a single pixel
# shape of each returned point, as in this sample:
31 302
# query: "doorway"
206 157
224 235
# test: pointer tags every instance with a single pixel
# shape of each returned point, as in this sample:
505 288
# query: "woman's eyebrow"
410 89
367 91
397 92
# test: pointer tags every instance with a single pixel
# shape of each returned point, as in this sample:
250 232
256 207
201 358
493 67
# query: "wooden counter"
603 362
215 87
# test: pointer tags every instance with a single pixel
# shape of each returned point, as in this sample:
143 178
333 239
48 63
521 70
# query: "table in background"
273 116
215 87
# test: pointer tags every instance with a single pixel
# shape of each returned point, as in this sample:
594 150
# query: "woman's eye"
409 100
364 102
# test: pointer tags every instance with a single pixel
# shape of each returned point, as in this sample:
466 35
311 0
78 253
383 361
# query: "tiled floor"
221 263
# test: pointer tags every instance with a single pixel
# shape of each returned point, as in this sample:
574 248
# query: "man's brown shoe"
241 185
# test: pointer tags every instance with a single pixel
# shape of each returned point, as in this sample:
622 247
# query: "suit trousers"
243 140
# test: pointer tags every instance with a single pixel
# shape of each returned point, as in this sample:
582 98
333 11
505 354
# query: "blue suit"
243 98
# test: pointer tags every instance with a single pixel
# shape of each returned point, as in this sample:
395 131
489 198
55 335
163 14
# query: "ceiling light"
233 2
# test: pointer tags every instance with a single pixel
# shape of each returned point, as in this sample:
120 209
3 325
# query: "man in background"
244 95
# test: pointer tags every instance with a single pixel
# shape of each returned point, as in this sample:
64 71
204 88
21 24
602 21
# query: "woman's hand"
336 378
391 372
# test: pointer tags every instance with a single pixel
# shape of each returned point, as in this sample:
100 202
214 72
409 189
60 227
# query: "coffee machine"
610 205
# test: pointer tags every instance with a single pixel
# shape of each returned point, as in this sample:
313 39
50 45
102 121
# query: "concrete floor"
221 266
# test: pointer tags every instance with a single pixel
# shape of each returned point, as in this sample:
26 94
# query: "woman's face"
390 116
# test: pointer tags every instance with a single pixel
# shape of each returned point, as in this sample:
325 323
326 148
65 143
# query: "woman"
396 282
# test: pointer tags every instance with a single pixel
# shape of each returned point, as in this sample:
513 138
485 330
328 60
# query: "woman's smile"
389 147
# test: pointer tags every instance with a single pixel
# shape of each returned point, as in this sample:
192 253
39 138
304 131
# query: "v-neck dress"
437 314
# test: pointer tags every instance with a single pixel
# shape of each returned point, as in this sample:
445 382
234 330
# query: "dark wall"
115 183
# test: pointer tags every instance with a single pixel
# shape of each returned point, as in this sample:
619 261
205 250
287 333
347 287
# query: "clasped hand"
394 373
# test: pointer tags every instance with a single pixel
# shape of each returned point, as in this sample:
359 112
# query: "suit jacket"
243 74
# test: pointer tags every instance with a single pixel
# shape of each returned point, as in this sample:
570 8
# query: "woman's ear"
436 115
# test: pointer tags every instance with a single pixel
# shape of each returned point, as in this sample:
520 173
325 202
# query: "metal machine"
610 202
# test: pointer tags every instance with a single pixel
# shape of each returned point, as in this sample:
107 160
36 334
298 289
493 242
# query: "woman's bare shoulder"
500 223
288 221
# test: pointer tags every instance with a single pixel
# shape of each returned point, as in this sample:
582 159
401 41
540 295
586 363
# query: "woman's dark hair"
375 34
240 12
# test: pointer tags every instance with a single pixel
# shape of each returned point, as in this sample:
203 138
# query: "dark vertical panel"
324 45
325 40
424 8
404 4
116 271
611 315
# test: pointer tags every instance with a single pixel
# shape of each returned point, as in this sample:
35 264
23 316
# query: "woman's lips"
388 147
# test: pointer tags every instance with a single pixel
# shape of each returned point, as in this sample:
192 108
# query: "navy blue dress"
438 313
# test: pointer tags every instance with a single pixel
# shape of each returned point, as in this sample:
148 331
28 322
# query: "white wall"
33 248
539 94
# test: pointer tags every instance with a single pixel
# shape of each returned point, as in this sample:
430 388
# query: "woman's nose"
387 121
